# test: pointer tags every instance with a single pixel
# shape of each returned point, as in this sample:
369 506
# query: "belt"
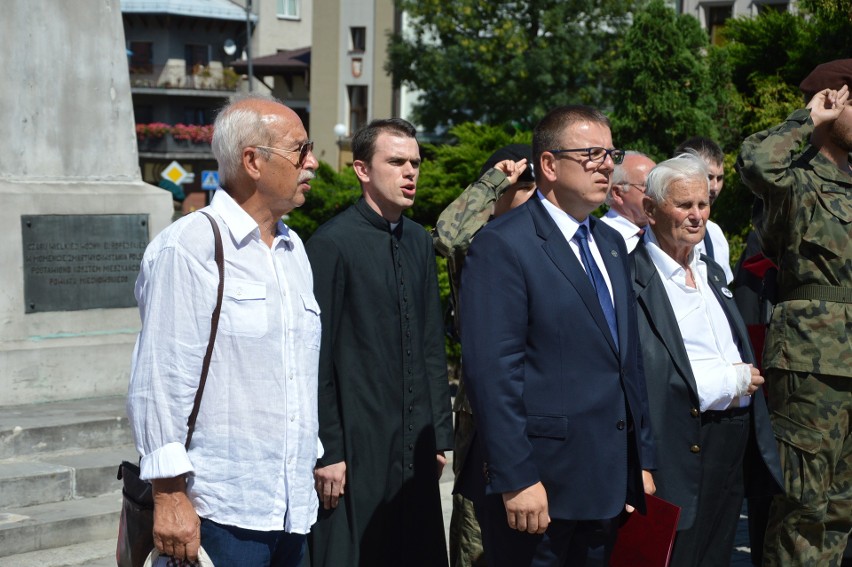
815 292
715 415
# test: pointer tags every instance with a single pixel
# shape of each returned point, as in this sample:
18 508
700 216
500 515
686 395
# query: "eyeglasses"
597 155
302 150
639 186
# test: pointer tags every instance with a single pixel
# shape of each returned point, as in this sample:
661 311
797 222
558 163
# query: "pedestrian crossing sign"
209 180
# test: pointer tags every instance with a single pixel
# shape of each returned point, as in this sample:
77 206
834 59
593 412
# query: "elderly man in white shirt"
714 243
244 489
626 212
714 441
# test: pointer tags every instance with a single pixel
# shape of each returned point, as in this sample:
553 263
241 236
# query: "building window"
196 115
143 113
196 56
716 18
141 57
287 8
357 107
357 39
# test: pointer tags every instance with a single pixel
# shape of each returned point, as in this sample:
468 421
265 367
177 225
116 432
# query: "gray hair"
238 126
619 176
685 166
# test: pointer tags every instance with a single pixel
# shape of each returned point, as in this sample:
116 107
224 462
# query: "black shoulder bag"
136 526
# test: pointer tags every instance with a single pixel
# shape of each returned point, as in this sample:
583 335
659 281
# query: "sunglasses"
302 150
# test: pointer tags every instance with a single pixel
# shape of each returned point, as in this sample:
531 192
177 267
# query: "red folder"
646 541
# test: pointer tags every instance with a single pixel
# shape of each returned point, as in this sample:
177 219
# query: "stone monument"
75 213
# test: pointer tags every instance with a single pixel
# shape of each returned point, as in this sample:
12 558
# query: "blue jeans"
238 547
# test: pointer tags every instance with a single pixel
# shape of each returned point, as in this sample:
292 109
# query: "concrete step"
63 426
59 524
99 553
54 477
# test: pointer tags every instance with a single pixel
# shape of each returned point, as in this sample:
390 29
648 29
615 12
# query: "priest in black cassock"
384 401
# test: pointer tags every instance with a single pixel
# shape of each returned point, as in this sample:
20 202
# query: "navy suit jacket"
554 399
673 394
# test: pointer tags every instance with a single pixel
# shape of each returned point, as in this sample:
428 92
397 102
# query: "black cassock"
384 402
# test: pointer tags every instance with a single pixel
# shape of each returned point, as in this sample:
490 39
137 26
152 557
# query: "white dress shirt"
256 439
628 231
721 249
568 225
715 360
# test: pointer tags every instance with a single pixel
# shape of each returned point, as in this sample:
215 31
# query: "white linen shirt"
256 440
710 346
628 231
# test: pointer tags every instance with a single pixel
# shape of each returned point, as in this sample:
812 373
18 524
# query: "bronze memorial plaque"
75 262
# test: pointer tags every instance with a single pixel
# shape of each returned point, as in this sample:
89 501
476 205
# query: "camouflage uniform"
806 229
455 229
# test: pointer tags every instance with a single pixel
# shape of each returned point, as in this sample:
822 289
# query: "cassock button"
411 446
410 409
410 426
410 388
620 424
694 412
410 465
695 449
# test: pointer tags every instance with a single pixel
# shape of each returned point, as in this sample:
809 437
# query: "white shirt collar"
239 222
666 265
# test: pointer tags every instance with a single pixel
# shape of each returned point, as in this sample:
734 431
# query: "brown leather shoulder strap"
214 326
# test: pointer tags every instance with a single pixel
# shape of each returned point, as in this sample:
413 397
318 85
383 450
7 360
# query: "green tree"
331 192
664 92
503 61
450 167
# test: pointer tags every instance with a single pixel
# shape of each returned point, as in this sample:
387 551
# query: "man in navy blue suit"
550 350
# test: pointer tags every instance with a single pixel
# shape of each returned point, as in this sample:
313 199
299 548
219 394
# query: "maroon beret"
831 75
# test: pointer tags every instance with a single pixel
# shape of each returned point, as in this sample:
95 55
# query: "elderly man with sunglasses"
243 489
550 349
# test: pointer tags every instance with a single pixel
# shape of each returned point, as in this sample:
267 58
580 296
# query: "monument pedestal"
73 203
70 353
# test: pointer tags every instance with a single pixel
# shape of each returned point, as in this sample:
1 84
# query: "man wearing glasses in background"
626 213
550 346
248 473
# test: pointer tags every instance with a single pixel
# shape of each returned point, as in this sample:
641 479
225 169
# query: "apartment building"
713 13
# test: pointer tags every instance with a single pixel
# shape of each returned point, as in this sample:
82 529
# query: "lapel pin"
614 253
716 278
727 293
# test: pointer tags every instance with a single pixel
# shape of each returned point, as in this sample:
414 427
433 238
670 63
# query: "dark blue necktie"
597 279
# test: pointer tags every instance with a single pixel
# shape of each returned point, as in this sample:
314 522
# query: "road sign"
176 174
209 180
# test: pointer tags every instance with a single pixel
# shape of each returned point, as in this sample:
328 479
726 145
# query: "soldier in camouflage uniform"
505 182
801 171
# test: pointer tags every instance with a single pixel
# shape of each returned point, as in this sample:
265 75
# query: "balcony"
212 79
181 141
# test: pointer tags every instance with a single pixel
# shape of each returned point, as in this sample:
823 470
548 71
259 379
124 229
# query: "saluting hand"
827 105
512 169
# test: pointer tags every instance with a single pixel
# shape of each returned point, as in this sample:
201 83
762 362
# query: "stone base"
73 354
